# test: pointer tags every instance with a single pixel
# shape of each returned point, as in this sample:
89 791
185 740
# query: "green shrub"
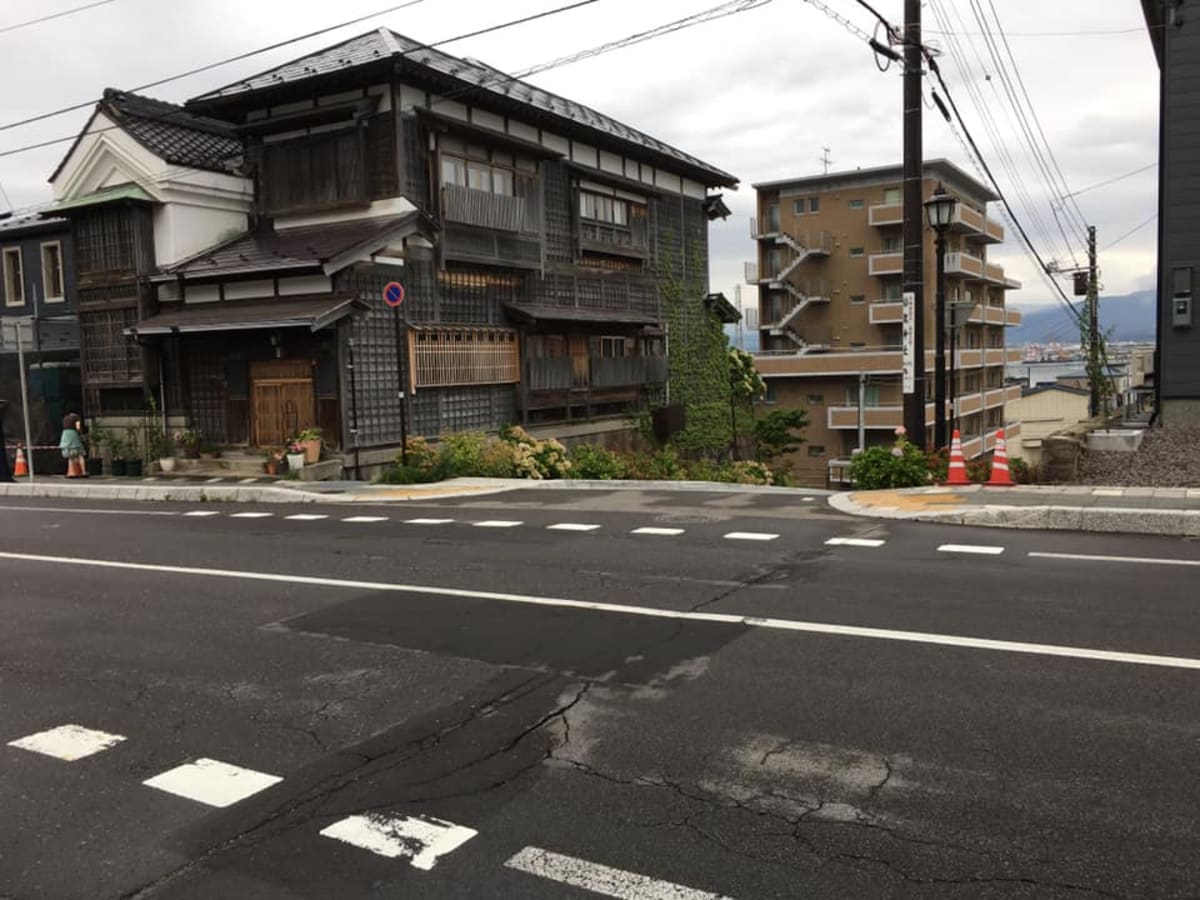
534 458
778 432
461 454
592 461
1021 473
899 466
657 465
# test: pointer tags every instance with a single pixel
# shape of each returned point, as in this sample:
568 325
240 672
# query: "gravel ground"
1166 458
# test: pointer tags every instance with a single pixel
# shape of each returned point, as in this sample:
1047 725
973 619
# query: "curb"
1104 519
163 493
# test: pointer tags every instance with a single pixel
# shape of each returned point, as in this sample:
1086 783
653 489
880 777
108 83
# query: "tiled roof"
232 315
173 133
383 44
32 218
293 248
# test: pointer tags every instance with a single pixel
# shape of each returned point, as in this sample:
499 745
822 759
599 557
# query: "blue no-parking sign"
393 293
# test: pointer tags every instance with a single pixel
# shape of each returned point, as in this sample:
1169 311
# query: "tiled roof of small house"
477 77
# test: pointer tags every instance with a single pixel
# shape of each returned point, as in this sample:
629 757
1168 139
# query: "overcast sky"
757 94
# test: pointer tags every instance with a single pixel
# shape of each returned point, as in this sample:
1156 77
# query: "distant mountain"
1129 316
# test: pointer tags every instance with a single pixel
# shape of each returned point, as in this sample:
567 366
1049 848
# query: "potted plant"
97 438
157 445
116 447
274 463
208 450
133 456
188 441
310 440
295 456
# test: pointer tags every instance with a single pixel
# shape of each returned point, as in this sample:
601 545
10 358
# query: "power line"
1033 34
1101 184
416 49
1130 232
57 15
223 62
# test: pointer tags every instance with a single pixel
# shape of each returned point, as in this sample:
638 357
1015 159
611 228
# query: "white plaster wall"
182 230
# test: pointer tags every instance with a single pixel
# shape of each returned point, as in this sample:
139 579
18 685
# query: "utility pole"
914 253
1093 306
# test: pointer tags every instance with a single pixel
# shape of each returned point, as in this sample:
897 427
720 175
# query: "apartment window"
814 204
858 298
773 217
891 197
816 399
870 395
856 251
612 347
892 245
52 272
454 356
799 207
14 277
858 204
893 292
815 450
769 394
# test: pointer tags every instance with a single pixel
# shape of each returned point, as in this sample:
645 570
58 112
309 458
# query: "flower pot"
117 467
133 468
271 467
167 463
94 466
312 451
295 462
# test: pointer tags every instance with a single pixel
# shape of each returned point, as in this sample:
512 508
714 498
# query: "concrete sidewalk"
1131 510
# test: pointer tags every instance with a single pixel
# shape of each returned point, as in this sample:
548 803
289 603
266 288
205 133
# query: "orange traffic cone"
1000 476
21 467
957 473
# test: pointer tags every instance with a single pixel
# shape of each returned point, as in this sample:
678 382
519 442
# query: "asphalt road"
659 695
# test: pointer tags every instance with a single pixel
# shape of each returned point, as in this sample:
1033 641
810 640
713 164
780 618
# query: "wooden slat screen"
458 356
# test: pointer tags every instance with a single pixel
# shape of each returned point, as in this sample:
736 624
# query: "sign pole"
393 296
24 398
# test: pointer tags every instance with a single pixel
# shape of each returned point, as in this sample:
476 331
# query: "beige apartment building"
829 273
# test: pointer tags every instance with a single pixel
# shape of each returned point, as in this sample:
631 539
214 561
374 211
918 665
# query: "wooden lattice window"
109 356
317 172
457 356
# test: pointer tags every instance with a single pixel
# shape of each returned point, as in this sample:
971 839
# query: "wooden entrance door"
282 400
579 360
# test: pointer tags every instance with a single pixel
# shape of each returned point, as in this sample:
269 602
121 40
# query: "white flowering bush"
534 458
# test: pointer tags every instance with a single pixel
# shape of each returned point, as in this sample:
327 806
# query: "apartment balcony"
763 230
993 398
1012 393
784 364
886 312
1012 317
887 214
874 417
964 265
967 404
994 357
1012 356
885 264
993 232
751 272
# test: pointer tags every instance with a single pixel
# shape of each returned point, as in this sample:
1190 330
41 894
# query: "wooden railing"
569 373
499 212
607 236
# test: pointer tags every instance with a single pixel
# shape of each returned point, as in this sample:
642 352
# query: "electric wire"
1114 180
1129 233
58 15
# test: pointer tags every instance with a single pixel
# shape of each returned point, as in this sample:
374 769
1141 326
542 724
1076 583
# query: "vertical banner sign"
908 340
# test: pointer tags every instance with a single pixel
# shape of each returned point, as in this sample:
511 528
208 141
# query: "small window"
856 251
892 245
815 450
14 278
891 197
816 399
612 347
893 292
52 272
769 395
799 206
814 204
454 171
858 298
857 204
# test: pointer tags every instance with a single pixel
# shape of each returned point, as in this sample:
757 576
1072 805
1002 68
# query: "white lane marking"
665 532
202 513
497 523
807 499
306 517
572 526
68 742
603 880
214 480
212 782
248 481
363 519
151 478
1108 492
252 515
980 549
428 521
419 839
1140 560
880 634
750 536
854 542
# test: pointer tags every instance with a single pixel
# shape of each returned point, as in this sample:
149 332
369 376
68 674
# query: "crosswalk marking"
662 532
68 742
497 523
214 480
603 880
202 513
428 521
980 549
571 526
364 519
419 839
212 782
750 536
306 517
854 542
251 515
248 481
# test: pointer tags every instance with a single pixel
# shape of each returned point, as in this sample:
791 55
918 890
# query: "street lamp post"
939 209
